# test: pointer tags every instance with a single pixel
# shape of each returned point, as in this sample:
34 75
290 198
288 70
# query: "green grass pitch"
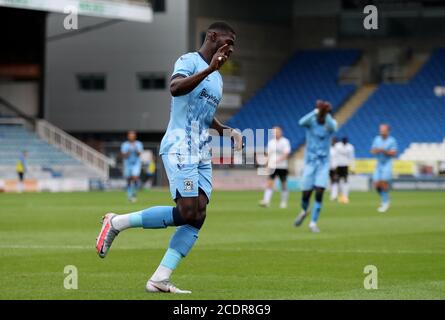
244 252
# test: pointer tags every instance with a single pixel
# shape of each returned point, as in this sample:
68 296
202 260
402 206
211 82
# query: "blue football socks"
384 195
171 259
304 204
152 218
181 243
316 211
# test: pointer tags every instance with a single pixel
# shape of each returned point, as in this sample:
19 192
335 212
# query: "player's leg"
342 176
307 185
20 185
154 217
316 209
333 175
321 181
379 185
384 194
268 191
129 189
284 191
344 185
135 173
127 176
132 189
151 218
193 214
305 200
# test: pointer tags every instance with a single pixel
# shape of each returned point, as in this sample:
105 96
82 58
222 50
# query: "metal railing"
74 147
395 74
351 75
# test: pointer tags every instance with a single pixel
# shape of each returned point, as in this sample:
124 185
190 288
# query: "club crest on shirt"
188 185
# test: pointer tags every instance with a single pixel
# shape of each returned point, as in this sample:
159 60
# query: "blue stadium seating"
15 138
309 75
414 112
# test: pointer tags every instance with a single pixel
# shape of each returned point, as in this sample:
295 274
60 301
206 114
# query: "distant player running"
345 156
384 147
278 150
320 127
131 151
196 87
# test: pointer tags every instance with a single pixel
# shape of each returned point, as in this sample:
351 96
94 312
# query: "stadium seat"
16 138
413 110
309 75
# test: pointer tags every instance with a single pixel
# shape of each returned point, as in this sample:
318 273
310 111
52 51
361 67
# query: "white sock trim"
268 195
121 222
161 273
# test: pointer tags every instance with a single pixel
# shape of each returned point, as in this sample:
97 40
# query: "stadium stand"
44 159
309 75
413 110
424 152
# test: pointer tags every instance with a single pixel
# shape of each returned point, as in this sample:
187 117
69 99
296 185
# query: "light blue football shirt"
318 136
192 114
134 149
387 144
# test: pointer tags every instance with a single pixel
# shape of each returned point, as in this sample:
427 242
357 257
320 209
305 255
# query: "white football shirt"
332 158
344 154
276 148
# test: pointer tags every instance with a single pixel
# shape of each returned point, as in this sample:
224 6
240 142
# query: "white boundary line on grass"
80 247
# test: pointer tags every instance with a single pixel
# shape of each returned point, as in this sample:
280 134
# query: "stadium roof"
135 10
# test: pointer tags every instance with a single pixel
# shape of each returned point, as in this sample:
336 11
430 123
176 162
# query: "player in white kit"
278 150
344 159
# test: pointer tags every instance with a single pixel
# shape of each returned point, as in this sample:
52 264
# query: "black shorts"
21 175
333 175
282 173
343 172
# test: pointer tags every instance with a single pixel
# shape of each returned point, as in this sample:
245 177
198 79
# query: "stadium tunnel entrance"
22 59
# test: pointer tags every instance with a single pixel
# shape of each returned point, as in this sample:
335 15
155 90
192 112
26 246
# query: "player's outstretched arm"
182 85
228 131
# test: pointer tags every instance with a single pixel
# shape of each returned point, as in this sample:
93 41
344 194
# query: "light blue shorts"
187 178
382 173
315 174
132 170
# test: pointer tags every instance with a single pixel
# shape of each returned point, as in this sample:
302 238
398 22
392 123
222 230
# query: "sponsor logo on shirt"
204 94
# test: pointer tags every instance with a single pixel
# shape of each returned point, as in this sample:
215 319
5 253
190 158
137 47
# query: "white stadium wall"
120 51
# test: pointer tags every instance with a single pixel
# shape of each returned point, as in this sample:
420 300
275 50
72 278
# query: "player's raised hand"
324 107
219 57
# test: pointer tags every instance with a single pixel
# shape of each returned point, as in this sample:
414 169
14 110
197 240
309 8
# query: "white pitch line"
302 250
